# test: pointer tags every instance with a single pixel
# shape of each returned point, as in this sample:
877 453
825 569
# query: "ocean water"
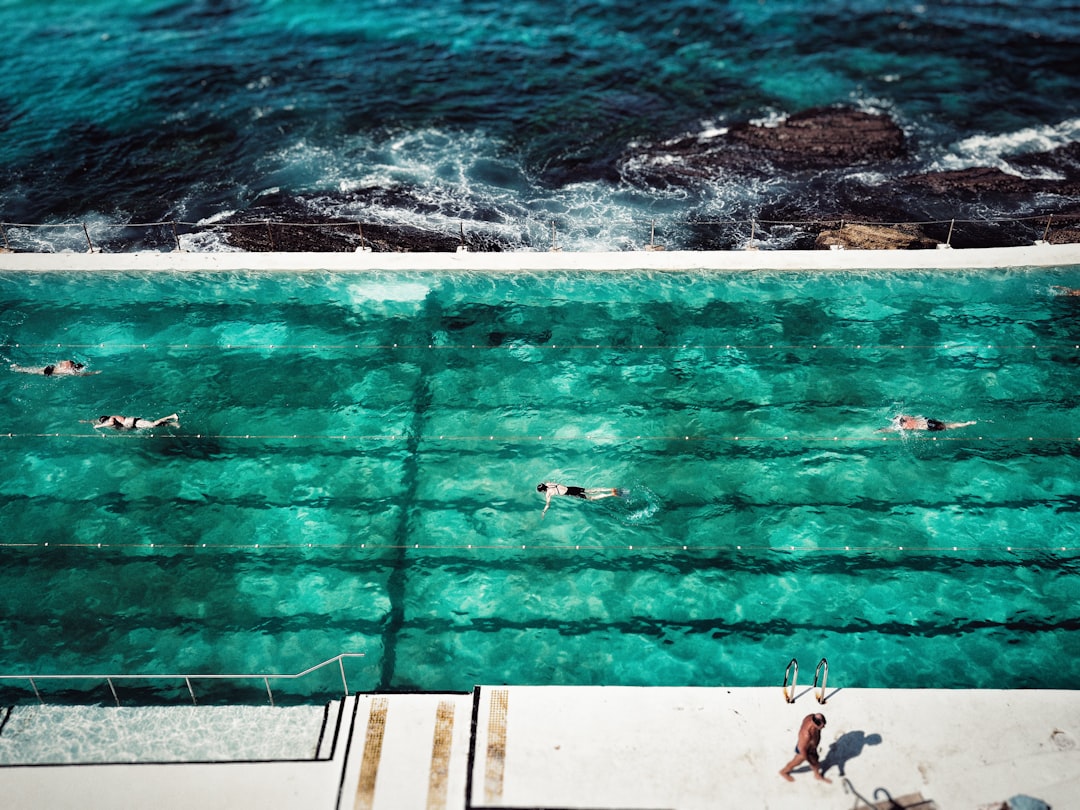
501 119
357 456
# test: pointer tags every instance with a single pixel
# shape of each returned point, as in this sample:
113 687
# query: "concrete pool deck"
1037 255
640 748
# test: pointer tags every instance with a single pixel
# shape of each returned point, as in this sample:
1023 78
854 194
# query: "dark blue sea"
512 120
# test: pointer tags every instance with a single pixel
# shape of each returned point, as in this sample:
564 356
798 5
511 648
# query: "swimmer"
922 423
134 422
550 488
1059 290
63 368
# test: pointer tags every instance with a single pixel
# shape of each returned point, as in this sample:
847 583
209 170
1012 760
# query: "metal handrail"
823 668
264 676
790 697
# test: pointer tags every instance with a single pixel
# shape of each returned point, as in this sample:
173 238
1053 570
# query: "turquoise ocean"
356 464
502 118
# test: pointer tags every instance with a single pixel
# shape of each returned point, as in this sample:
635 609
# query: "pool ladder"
792 673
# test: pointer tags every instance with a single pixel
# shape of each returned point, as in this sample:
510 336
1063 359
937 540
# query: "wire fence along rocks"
267 235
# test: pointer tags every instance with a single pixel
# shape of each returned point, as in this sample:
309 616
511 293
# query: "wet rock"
875 237
813 140
1065 160
1061 228
824 139
295 224
333 236
987 181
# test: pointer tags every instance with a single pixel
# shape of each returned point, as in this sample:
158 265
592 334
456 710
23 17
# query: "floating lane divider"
513 346
521 438
557 548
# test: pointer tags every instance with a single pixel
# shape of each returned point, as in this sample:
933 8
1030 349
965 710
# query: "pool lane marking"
496 746
556 346
518 439
438 777
369 763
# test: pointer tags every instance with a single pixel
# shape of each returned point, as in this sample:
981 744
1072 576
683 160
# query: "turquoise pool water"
357 457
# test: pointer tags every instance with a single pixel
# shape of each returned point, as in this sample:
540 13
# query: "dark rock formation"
1065 160
813 140
875 237
333 235
985 181
295 224
824 139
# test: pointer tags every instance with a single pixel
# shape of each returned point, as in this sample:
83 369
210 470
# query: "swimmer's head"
48 370
541 487
103 419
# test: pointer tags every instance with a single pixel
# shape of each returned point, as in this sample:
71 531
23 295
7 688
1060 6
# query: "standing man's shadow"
849 746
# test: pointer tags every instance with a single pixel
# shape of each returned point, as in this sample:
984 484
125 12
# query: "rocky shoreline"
856 156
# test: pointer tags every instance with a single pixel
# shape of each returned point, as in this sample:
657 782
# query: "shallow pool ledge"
1039 255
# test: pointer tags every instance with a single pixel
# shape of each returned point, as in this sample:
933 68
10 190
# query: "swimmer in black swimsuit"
134 422
549 488
922 423
62 368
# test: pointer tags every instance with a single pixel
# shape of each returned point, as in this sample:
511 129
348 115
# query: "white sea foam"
995 150
450 181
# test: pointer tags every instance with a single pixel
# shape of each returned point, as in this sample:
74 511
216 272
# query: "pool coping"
1037 255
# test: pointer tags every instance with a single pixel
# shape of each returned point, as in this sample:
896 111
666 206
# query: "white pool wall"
1037 255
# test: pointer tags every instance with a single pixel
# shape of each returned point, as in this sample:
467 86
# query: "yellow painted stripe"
440 756
369 764
496 746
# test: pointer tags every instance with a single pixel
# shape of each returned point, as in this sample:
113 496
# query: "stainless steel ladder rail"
790 697
822 669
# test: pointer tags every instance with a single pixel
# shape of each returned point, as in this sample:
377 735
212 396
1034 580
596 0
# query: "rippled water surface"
356 463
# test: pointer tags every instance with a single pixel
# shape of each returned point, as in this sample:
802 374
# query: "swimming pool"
356 464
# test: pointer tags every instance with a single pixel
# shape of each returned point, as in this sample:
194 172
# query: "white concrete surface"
632 748
608 747
404 767
1040 255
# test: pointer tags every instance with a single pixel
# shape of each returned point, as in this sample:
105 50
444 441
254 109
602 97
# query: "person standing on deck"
807 746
